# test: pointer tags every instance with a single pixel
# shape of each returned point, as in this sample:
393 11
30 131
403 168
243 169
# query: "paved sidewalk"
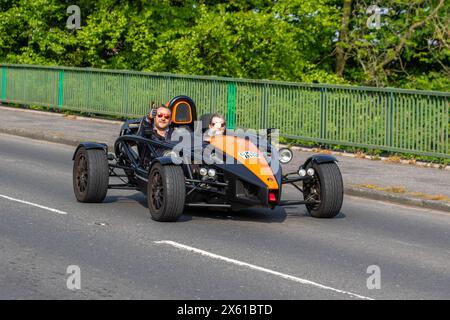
362 177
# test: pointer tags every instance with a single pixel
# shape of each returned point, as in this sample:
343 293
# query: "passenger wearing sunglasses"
217 126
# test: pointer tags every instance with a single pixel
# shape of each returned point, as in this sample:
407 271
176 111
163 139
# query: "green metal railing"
406 121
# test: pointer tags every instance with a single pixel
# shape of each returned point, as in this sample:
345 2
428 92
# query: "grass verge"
403 190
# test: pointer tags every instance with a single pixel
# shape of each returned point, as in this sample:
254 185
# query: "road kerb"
396 198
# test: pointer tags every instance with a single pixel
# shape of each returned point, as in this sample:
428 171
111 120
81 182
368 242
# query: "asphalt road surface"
255 254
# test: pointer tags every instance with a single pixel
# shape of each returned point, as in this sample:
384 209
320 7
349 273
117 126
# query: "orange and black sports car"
229 171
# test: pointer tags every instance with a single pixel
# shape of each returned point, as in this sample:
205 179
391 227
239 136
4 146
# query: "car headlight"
285 155
203 171
212 173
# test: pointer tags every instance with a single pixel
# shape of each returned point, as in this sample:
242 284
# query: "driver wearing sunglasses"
158 124
155 126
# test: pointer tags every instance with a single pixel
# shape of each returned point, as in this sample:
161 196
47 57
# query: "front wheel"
326 189
90 175
166 192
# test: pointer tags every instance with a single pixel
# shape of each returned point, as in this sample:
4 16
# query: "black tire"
326 187
90 175
166 192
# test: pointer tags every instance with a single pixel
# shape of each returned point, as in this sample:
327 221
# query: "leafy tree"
412 41
296 40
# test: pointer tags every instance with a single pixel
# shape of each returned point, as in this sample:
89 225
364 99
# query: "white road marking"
33 204
254 267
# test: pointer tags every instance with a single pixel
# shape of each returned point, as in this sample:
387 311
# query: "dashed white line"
33 204
254 267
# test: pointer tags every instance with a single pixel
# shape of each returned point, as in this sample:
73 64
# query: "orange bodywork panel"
249 155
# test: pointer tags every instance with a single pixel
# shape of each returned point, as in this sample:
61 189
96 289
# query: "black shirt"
148 131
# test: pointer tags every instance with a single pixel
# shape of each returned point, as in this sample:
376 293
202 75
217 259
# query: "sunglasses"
219 124
160 115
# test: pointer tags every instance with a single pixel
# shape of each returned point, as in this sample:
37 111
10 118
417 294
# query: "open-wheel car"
173 180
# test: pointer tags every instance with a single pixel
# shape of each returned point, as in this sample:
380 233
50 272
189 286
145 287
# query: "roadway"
253 254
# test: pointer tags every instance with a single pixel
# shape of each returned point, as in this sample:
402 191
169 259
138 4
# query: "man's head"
162 118
217 123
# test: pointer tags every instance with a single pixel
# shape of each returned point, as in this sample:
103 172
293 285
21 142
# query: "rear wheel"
326 189
90 175
166 192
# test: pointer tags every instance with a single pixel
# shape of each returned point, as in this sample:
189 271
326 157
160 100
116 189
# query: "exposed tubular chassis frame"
191 183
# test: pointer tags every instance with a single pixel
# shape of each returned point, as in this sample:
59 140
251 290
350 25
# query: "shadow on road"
136 197
277 215
257 215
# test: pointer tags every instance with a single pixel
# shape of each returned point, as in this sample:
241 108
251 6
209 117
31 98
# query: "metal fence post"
323 113
60 88
389 120
125 95
3 95
265 107
447 129
231 105
168 88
